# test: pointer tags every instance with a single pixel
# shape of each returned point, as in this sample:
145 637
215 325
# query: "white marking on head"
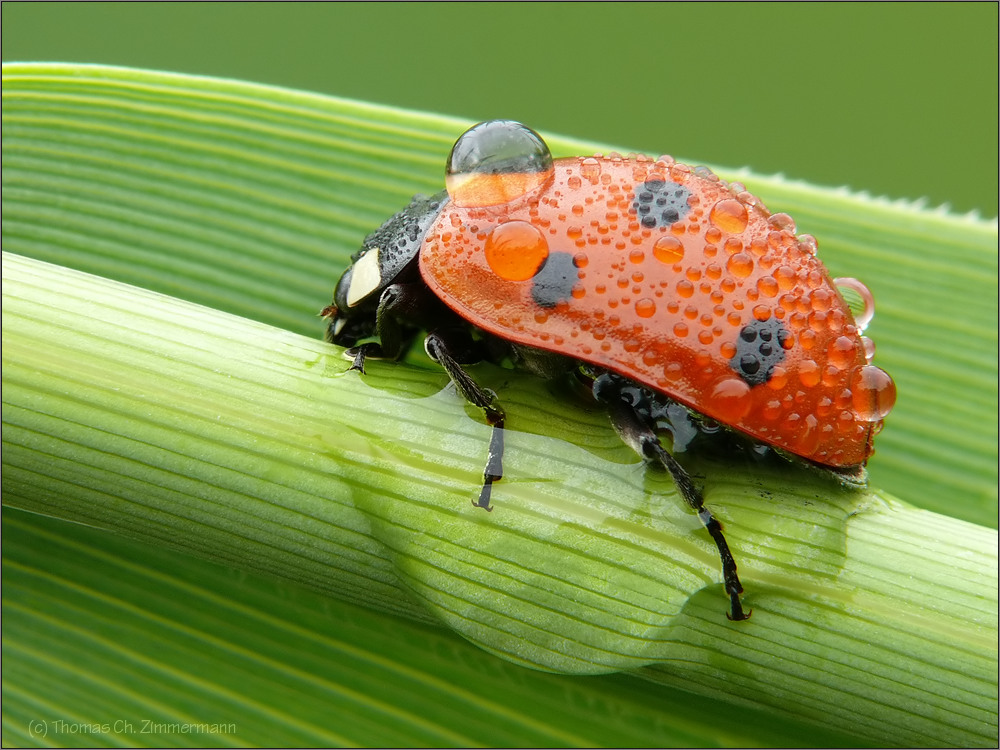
366 277
338 325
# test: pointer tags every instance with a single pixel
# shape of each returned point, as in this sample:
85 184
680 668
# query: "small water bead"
767 286
864 317
645 307
740 265
785 276
779 378
782 221
808 434
669 250
809 373
807 244
835 320
590 169
516 250
869 347
841 352
772 410
731 400
706 174
729 215
873 393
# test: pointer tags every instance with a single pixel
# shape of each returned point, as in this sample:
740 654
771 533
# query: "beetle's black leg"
486 400
641 437
397 302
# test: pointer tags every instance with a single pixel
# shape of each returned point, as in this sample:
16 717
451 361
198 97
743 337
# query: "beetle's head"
490 165
387 256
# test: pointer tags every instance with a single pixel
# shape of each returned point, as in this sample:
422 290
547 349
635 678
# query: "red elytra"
672 278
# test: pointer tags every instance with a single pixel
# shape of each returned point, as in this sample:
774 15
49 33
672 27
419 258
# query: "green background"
895 99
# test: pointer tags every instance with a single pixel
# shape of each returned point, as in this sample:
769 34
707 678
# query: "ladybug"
663 288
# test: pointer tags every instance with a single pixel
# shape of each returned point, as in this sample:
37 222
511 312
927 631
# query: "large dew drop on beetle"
497 162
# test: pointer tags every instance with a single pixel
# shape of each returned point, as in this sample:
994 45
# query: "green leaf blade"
130 412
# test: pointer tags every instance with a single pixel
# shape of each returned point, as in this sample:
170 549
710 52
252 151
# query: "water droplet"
772 410
706 174
645 307
516 250
740 265
590 169
873 393
782 221
785 276
497 162
867 312
767 286
841 352
574 182
731 400
729 215
673 371
869 346
636 256
668 250
807 244
809 373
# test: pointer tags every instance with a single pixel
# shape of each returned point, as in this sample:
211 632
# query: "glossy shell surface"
673 278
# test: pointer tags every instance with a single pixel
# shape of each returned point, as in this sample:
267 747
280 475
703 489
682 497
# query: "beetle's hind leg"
640 436
440 351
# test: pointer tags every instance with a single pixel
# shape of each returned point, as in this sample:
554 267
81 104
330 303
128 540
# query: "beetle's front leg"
397 302
440 351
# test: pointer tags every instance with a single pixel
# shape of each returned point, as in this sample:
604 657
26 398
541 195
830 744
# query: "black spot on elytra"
759 348
555 280
659 203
